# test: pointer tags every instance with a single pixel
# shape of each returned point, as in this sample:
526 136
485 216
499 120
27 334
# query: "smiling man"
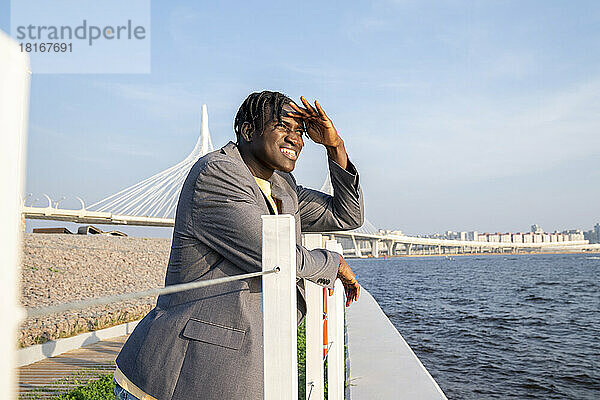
207 343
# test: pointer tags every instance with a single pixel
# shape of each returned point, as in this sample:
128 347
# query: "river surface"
496 327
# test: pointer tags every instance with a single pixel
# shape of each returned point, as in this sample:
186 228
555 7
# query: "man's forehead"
286 108
291 121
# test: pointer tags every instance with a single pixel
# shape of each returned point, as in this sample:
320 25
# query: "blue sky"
459 115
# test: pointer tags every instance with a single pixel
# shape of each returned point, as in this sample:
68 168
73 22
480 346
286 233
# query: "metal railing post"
279 308
315 380
335 331
14 96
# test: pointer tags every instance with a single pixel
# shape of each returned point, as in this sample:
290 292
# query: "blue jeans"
123 394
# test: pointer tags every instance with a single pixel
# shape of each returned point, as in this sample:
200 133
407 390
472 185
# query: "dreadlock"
258 109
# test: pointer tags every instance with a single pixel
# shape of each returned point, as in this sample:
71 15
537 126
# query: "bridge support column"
375 248
439 249
356 247
390 247
408 248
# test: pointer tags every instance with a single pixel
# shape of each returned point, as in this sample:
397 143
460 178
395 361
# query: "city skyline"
593 235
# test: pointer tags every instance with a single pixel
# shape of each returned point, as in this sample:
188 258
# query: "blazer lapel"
279 189
231 150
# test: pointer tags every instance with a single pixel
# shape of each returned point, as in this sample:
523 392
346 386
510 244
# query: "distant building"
473 235
451 235
494 237
574 235
590 236
435 236
593 236
536 235
390 232
535 228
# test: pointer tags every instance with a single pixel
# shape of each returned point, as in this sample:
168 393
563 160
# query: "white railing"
279 308
335 332
315 345
279 315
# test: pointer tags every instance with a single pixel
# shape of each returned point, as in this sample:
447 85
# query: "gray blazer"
207 343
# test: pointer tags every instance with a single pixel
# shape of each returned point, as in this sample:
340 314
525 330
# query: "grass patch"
302 363
101 389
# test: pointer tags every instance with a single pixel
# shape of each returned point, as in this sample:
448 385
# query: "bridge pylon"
157 195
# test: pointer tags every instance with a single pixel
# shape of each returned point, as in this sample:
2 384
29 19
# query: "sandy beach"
64 268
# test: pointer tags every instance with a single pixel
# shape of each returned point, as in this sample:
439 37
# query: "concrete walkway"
60 374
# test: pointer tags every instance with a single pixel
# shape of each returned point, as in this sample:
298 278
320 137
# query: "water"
496 327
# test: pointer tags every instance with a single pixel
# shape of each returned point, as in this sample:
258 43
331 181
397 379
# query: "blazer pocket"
219 335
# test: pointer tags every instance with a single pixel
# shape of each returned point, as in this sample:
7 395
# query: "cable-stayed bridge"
152 202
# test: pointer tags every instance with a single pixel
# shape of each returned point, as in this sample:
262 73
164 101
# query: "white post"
14 96
335 331
315 382
356 247
279 308
375 248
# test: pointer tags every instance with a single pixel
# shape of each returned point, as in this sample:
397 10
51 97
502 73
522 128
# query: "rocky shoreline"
59 268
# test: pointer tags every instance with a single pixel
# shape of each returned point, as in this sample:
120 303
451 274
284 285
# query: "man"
207 343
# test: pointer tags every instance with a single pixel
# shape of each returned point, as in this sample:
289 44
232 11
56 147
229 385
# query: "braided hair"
258 109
